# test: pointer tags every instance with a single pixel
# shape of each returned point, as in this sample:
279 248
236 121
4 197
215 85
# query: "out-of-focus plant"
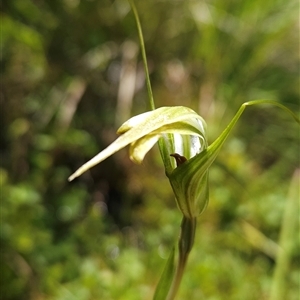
181 135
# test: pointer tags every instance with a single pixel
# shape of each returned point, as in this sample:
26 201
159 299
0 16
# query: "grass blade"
165 281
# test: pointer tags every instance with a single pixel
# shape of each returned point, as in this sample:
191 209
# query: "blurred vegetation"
71 74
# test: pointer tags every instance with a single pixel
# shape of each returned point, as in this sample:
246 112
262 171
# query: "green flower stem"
161 144
185 244
142 44
162 148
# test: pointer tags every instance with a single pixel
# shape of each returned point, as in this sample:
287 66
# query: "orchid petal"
155 122
141 147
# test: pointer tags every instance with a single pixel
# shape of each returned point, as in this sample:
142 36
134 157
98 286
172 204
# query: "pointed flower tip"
72 177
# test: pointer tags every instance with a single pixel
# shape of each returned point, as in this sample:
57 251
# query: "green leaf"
166 278
189 182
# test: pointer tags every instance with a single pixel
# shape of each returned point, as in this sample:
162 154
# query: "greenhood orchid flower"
183 136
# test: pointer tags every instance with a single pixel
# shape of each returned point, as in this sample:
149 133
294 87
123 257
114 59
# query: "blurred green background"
71 74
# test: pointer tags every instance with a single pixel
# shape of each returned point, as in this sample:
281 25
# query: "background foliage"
71 74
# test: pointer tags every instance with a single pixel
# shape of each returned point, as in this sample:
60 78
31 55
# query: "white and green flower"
181 134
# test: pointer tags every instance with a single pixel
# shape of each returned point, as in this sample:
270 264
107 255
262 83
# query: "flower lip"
179 159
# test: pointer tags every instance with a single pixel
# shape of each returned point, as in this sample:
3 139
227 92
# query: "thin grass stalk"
143 50
286 241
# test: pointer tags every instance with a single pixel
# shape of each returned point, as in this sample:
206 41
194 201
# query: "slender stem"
142 44
161 143
185 244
